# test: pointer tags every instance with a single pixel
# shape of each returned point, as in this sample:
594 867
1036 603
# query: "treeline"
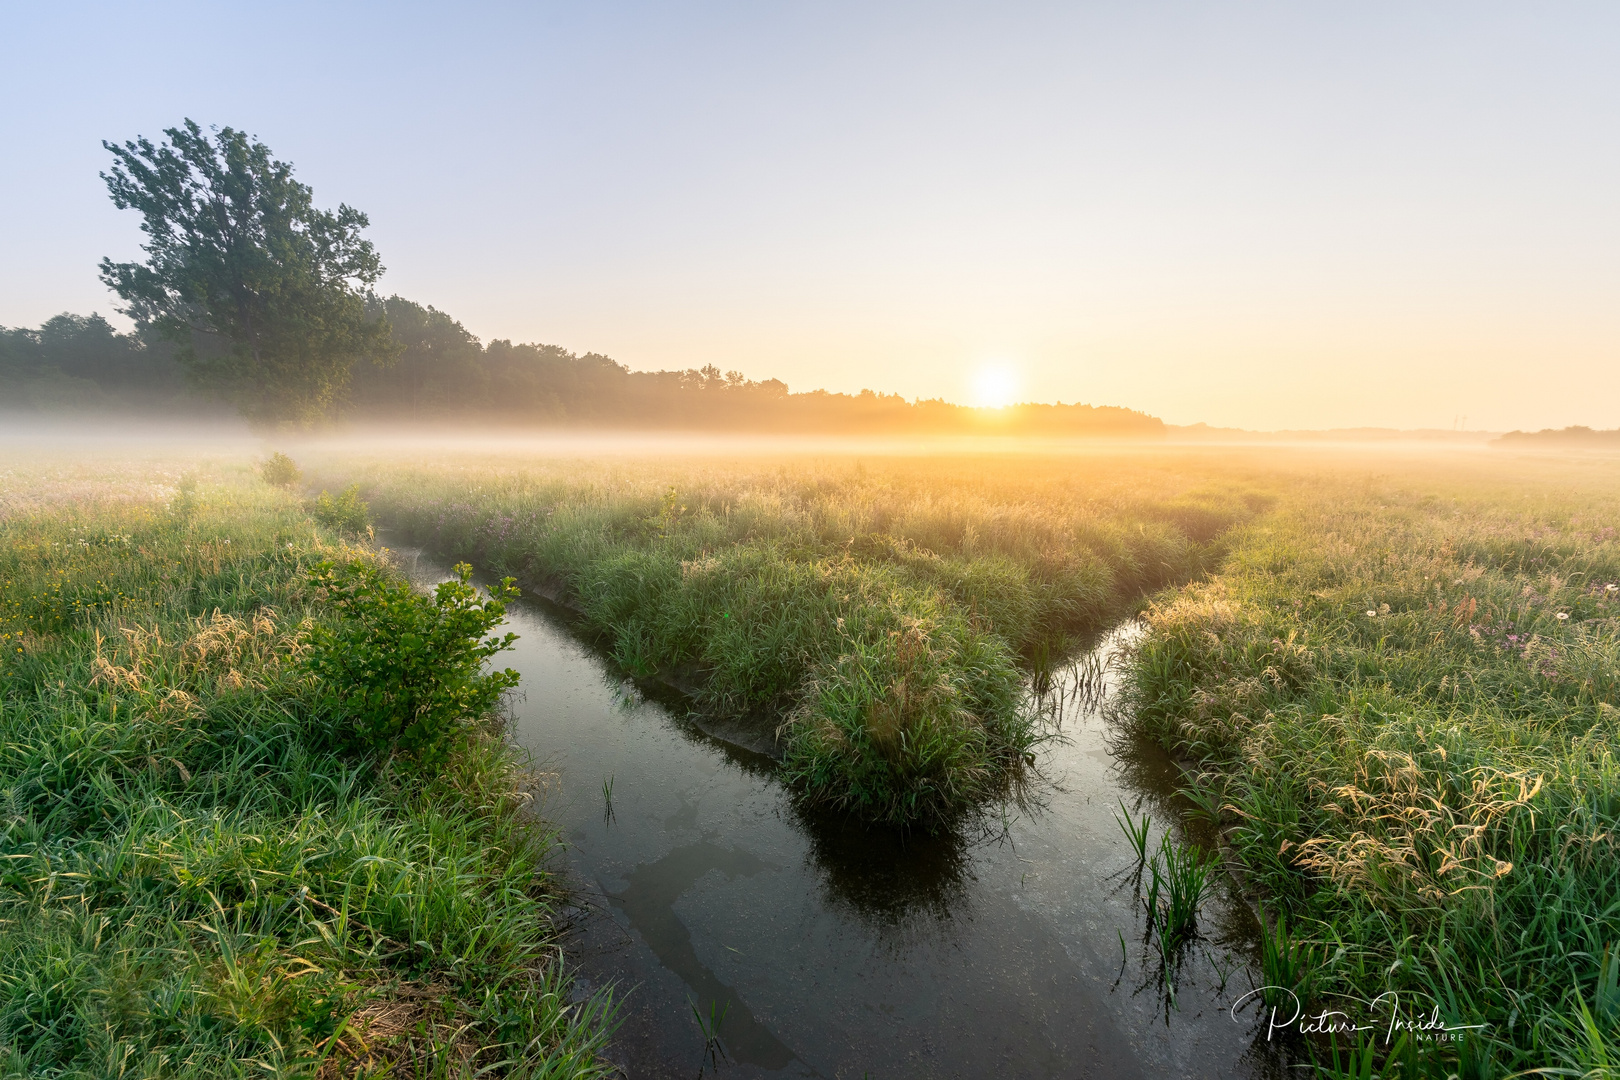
80 363
442 375
1576 436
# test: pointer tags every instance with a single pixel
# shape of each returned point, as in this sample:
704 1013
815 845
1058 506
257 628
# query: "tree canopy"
262 293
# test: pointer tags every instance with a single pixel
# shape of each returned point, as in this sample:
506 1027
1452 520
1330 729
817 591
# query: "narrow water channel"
822 949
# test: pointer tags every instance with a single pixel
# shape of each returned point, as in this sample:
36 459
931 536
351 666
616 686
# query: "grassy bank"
883 612
1406 690
196 880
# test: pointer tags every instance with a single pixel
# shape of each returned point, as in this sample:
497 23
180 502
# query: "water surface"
1015 950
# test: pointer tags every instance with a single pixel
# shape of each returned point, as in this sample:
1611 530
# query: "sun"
995 387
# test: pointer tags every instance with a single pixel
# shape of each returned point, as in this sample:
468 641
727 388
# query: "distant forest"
445 376
1577 436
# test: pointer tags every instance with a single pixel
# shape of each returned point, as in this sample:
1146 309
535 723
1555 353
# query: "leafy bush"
279 470
347 511
406 670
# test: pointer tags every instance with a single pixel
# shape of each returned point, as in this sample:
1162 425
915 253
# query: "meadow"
202 877
1392 680
878 621
1400 693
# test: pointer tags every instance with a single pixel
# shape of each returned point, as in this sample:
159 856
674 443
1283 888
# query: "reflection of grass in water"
885 879
888 613
1408 691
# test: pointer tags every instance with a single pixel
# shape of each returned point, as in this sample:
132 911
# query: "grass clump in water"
881 618
198 879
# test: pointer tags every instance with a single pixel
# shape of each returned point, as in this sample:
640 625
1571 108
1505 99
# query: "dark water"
832 951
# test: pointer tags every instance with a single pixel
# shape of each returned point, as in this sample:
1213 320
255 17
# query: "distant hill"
446 377
1562 438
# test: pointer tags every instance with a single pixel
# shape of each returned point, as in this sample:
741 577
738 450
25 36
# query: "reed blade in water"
714 1051
1135 831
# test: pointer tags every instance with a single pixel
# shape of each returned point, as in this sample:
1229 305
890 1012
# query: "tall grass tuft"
1178 879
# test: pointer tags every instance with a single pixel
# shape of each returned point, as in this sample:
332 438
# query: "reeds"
1136 832
1178 879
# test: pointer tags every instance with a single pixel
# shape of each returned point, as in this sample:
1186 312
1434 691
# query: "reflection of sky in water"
996 951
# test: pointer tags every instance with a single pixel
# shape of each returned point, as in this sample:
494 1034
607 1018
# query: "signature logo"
1359 1015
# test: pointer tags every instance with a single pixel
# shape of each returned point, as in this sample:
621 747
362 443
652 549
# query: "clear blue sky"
1268 215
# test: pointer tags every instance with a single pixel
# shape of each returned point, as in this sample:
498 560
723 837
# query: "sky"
1264 215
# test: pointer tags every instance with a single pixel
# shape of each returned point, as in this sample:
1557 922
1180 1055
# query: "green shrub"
279 470
406 670
347 511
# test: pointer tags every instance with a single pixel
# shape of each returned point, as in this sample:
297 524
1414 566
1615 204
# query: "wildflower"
1371 614
1611 587
1562 615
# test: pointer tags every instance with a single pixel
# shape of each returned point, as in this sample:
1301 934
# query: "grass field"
1402 687
1395 682
196 879
885 614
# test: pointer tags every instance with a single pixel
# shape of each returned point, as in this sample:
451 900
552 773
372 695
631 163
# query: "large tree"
262 293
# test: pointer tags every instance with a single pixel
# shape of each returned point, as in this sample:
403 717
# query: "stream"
816 948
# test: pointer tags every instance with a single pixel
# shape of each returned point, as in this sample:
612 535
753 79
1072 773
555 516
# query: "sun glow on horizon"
995 386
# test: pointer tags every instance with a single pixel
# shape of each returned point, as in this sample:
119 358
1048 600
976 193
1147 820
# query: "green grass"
194 880
1404 689
885 614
